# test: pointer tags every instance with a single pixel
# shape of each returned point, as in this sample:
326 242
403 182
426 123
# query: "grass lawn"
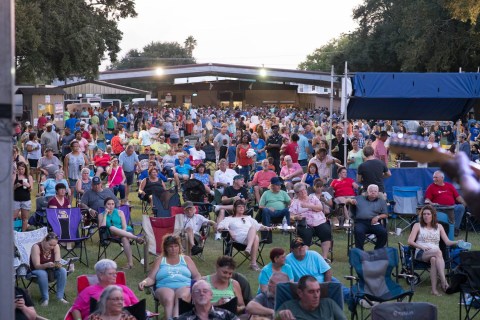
447 305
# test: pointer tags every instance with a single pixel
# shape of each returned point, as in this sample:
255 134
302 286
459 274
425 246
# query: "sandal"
128 267
247 252
438 294
254 267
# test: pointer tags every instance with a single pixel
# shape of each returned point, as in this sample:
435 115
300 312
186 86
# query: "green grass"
447 305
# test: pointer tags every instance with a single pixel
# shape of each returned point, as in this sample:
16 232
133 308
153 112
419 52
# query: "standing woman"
92 145
22 187
242 159
34 152
44 258
259 146
145 137
74 162
425 238
355 156
114 220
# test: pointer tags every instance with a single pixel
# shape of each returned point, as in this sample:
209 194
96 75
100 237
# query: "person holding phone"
24 308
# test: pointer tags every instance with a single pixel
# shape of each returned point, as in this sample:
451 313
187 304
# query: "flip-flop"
127 267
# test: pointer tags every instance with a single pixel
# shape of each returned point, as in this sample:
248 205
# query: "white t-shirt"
145 137
197 154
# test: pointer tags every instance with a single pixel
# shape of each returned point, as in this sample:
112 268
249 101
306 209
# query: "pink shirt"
286 170
82 303
313 218
381 152
115 178
324 169
262 178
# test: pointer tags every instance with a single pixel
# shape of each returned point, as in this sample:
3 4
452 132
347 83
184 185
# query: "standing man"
303 148
128 160
380 151
338 145
222 135
372 171
274 143
445 194
49 139
464 145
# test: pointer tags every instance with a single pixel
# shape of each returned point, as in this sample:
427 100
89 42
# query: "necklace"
47 255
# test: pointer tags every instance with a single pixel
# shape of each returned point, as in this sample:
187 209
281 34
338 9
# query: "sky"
275 34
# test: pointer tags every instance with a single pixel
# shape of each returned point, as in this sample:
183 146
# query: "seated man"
182 170
106 271
307 262
445 194
190 224
263 304
291 172
310 305
261 180
370 209
201 298
197 154
223 177
94 198
274 203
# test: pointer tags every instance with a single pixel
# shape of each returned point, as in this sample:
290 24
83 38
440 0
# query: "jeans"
245 171
119 188
364 226
303 162
459 211
268 214
42 279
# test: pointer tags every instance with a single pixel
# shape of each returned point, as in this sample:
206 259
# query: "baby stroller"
194 190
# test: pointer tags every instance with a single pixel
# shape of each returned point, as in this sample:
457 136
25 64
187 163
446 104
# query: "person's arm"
413 236
124 178
297 172
57 253
78 186
238 293
445 238
387 174
142 186
328 275
122 218
303 178
255 308
150 279
28 311
102 221
193 268
460 200
65 164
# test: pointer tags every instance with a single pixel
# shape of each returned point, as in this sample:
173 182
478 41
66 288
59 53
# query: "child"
271 166
223 150
232 154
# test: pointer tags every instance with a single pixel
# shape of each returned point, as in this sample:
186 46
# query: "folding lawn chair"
23 242
404 311
200 238
288 291
232 248
470 289
66 223
162 203
406 199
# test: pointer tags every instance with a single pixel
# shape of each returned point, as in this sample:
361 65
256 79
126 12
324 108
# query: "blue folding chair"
406 200
66 224
373 283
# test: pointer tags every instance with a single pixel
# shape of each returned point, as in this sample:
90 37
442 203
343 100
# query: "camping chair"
66 224
138 310
229 246
163 202
200 238
404 311
369 238
406 199
23 242
155 229
288 291
106 240
373 283
470 288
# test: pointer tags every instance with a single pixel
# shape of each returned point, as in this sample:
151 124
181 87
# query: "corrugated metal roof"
41 91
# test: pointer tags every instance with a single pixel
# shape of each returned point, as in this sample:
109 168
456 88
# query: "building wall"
49 107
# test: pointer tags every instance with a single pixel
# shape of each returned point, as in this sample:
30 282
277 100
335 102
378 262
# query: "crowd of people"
289 163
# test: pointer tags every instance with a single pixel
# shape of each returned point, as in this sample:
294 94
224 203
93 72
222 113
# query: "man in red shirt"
381 152
261 179
444 194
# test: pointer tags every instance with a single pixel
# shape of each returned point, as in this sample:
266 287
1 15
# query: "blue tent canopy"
413 96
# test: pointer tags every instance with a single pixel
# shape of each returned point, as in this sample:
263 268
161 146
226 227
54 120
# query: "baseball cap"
188 204
27 123
238 176
384 133
96 181
276 181
296 243
48 124
82 123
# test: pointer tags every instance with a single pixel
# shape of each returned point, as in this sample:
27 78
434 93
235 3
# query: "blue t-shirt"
144 174
302 145
260 145
474 133
185 169
70 123
232 154
267 273
313 264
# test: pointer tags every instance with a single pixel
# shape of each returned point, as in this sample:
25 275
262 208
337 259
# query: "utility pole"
7 76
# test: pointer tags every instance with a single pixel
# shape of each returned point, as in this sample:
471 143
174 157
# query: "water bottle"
284 223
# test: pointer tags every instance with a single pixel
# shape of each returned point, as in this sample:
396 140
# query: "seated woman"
311 174
111 305
425 238
106 271
151 185
291 172
277 264
344 188
102 161
48 186
84 183
114 220
172 274
116 180
224 288
59 200
310 210
243 229
44 258
205 178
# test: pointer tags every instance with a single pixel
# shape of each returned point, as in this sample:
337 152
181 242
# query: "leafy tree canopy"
410 35
65 38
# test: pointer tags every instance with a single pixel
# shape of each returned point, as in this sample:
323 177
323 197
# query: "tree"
65 38
464 10
190 44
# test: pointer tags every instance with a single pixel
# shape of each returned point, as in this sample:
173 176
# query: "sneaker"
63 301
44 303
218 236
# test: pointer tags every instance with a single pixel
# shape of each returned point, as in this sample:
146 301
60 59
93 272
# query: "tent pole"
331 110
345 121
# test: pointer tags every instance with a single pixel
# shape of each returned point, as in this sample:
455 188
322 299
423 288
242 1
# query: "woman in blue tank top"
172 274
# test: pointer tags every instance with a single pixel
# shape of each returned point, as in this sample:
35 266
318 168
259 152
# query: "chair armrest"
351 278
405 276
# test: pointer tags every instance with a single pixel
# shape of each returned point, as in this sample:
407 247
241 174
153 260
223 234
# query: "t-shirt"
262 178
278 201
231 192
288 171
185 169
327 310
367 209
292 150
302 145
372 173
51 165
95 200
343 188
312 264
444 195
267 272
266 301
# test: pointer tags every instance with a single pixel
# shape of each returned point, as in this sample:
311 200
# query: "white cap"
82 123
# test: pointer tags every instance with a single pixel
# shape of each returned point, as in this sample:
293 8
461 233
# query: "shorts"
419 255
129 176
26 205
33 163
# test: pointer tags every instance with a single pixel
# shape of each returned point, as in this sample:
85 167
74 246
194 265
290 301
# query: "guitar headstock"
418 149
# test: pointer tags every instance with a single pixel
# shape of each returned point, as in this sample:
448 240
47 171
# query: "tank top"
428 237
217 294
43 259
243 160
75 165
153 187
173 276
21 194
87 185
